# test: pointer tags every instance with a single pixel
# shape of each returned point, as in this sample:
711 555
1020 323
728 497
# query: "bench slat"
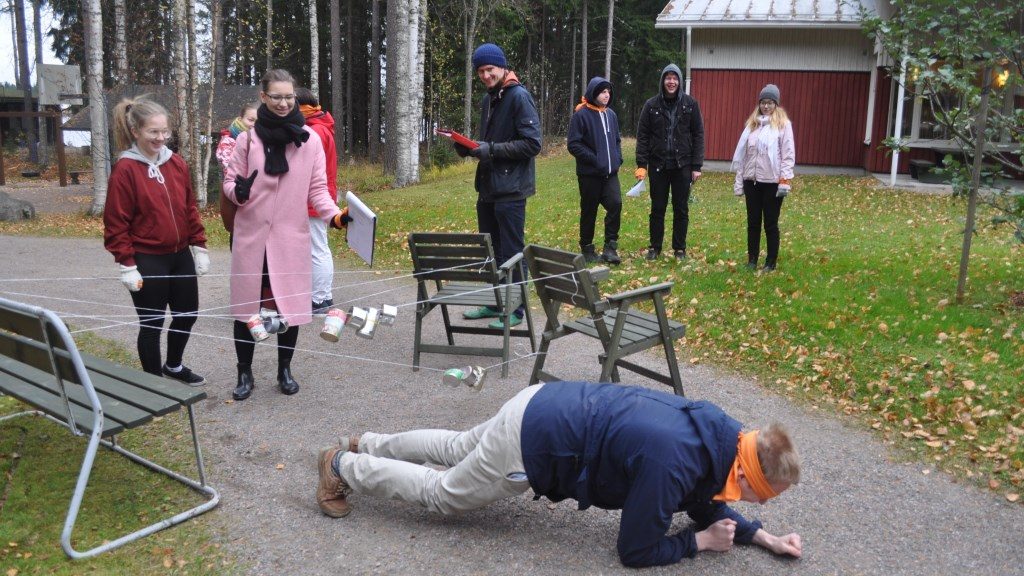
170 389
114 411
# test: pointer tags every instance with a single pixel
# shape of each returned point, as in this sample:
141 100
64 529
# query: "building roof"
227 102
764 13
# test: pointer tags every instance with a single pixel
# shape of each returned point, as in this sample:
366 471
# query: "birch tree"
120 44
314 51
97 107
373 134
473 17
583 47
270 33
404 90
37 34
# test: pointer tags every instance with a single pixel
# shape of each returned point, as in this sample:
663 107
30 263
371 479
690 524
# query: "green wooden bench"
562 278
463 272
41 366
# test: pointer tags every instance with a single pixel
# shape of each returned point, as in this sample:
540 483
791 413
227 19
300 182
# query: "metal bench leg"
83 480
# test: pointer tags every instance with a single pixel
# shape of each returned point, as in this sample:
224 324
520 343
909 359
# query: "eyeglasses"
156 133
278 98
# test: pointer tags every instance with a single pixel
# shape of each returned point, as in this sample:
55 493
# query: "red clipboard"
457 138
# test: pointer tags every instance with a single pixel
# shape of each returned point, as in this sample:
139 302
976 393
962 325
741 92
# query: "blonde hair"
275 75
248 106
779 118
132 114
779 460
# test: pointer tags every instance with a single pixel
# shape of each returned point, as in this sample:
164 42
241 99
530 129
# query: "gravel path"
859 509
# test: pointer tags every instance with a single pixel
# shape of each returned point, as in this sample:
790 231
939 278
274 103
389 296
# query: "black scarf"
276 132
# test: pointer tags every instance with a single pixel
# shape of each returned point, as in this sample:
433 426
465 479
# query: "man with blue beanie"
510 137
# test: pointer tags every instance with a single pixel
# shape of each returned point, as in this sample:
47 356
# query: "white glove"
202 258
131 278
783 191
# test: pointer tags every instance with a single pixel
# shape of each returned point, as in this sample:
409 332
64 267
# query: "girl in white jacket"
763 162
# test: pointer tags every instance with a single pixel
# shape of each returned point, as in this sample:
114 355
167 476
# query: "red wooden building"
834 84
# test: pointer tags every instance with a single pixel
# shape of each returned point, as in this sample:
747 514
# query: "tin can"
333 324
256 328
471 376
273 322
357 317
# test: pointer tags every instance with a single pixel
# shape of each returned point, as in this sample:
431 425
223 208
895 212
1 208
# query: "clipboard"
457 138
362 230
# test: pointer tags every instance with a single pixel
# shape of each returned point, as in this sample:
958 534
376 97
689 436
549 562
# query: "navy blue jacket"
671 132
646 452
594 136
509 123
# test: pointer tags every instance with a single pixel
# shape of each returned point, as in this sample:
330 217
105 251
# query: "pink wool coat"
274 222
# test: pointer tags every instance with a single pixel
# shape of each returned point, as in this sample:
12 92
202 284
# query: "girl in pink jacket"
763 162
271 180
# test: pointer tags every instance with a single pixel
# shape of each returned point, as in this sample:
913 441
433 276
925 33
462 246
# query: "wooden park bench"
563 278
463 272
41 366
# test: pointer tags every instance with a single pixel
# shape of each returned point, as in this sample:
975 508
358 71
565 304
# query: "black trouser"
762 204
675 181
245 346
600 191
169 281
506 223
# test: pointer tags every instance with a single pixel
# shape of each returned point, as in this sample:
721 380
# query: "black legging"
762 204
245 346
169 281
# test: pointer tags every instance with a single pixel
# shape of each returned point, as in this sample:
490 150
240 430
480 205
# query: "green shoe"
481 312
513 322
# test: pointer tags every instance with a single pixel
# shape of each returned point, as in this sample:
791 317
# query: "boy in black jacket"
510 137
670 145
595 142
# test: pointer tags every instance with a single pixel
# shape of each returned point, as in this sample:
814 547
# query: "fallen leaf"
990 357
1012 496
993 484
167 562
12 572
883 327
279 466
968 384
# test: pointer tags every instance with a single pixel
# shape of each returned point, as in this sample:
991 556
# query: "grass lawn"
39 465
858 320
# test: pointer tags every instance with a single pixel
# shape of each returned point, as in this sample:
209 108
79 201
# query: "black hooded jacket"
594 136
671 132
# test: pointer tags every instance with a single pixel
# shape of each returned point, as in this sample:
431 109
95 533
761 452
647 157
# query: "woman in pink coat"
271 180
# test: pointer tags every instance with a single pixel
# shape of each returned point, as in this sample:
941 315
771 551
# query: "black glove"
461 150
243 186
481 152
341 219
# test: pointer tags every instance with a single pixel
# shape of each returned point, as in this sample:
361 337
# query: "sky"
7 62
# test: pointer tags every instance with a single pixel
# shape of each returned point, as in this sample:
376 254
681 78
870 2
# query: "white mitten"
131 278
202 258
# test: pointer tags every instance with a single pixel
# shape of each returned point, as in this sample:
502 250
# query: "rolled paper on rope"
370 326
334 322
388 313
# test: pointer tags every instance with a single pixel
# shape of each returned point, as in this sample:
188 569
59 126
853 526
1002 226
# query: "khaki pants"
485 463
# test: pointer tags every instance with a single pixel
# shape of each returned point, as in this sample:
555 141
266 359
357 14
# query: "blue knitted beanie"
489 55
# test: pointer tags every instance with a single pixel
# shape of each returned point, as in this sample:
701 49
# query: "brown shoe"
332 490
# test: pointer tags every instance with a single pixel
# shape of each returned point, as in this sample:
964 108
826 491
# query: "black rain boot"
245 383
285 382
609 254
589 254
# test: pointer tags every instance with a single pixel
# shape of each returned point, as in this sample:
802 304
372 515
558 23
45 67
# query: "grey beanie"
769 92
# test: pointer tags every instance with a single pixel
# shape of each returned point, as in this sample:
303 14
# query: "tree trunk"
314 51
583 47
980 122
572 73
220 71
179 51
336 80
608 41
37 33
404 61
350 133
97 107
270 33
120 44
373 126
27 124
196 155
207 121
469 24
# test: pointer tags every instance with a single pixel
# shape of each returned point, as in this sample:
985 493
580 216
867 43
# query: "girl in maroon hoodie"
153 229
